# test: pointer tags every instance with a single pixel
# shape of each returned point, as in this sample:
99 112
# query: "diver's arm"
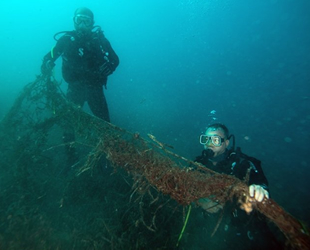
258 183
50 58
257 176
113 60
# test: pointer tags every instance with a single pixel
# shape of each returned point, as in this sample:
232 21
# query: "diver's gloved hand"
258 192
47 67
105 69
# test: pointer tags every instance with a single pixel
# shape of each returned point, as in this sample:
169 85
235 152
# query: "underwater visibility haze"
183 65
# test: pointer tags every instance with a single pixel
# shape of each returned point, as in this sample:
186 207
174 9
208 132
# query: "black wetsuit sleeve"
257 175
113 58
55 53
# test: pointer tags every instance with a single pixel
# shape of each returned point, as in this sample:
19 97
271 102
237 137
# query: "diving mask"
79 19
215 139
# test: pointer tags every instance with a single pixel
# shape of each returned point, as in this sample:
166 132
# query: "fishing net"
70 180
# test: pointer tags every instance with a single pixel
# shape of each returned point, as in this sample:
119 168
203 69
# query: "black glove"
105 69
47 67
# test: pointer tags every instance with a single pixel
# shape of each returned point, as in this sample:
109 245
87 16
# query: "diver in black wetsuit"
241 228
87 60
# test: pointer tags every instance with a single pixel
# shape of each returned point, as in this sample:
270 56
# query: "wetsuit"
83 56
236 164
238 230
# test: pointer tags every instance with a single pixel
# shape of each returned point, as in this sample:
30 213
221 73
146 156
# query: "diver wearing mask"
241 227
87 60
219 158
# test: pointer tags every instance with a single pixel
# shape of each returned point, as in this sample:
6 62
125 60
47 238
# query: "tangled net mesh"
155 181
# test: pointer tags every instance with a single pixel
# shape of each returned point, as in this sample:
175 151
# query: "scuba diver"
217 157
242 228
87 60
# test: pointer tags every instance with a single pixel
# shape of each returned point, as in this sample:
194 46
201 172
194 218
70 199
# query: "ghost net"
32 156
